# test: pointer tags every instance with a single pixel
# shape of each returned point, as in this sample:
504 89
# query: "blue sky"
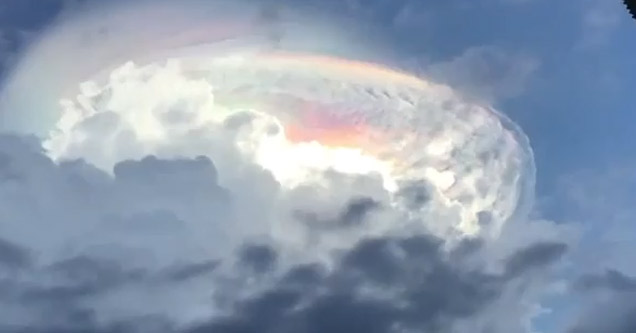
564 70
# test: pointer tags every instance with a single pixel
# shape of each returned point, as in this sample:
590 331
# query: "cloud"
125 114
258 258
612 280
355 213
604 289
191 271
486 73
107 34
21 22
13 256
610 302
156 246
537 255
78 238
150 218
380 285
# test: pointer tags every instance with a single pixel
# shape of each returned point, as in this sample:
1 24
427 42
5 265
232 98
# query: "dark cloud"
146 240
610 306
614 316
7 174
13 256
612 280
355 213
75 239
381 285
190 271
20 22
181 172
375 260
85 323
99 274
258 258
426 291
414 195
534 256
61 300
304 276
357 210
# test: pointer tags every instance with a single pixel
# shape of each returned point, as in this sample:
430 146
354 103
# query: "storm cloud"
141 250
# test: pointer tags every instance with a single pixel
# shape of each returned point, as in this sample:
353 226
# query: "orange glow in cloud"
326 128
338 137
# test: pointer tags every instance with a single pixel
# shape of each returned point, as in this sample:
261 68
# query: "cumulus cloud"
381 285
194 115
147 248
156 204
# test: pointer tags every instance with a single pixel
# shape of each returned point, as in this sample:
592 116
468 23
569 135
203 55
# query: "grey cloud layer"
609 304
604 287
84 251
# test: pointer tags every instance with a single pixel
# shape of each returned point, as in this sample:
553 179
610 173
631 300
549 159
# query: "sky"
105 228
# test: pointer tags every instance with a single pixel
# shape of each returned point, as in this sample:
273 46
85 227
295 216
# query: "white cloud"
144 221
158 237
104 233
151 216
171 111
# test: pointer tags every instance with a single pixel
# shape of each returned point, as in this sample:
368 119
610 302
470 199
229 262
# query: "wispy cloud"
486 73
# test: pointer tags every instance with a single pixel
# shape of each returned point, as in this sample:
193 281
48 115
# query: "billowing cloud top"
235 170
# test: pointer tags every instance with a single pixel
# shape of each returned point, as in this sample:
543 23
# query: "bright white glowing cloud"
296 128
307 113
316 112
